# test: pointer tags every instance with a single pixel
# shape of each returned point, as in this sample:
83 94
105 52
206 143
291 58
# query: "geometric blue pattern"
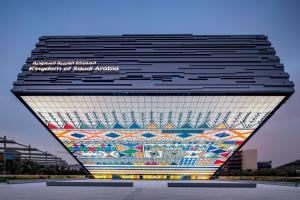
118 126
148 135
134 126
184 135
211 148
188 161
222 135
112 135
77 135
219 151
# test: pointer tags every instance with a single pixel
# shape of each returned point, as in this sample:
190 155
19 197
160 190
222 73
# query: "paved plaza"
144 190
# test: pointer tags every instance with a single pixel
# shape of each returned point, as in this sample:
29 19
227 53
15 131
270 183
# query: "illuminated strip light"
148 172
149 167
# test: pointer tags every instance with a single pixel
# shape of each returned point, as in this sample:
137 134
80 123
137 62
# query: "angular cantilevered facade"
153 106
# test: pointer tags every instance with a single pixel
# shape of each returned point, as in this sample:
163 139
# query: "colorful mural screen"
152 135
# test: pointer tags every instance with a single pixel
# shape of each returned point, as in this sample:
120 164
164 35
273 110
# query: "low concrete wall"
89 183
270 180
20 181
212 185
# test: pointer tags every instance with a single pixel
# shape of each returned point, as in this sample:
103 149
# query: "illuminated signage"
71 66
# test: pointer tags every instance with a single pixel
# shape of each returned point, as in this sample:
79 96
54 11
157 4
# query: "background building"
290 168
153 106
264 164
241 161
14 155
249 159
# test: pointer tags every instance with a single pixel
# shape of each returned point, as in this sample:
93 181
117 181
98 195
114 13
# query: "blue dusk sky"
23 22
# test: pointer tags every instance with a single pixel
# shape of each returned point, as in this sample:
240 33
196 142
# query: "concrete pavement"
145 190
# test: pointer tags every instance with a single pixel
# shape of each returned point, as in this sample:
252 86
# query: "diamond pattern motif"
222 135
184 135
148 135
112 135
77 135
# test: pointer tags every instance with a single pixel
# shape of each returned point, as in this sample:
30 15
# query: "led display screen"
152 135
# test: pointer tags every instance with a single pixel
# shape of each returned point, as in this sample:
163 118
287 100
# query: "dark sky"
23 22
